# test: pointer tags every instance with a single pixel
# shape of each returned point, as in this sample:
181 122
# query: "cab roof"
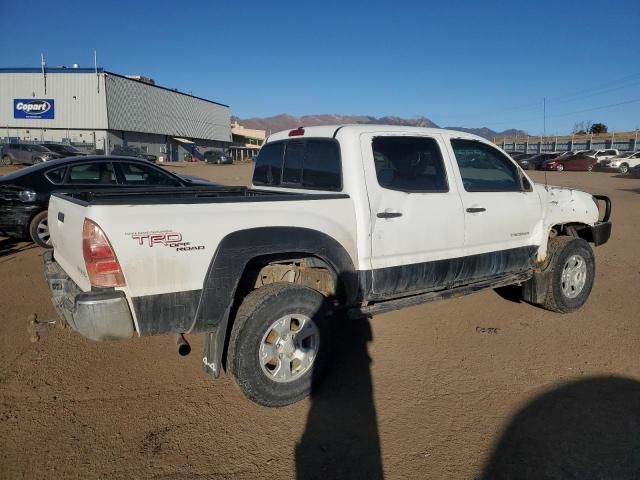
331 131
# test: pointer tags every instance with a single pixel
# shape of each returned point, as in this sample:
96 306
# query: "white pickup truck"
355 218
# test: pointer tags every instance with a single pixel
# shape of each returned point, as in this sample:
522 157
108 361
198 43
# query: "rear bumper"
97 315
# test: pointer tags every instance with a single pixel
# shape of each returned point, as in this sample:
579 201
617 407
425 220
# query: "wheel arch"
238 256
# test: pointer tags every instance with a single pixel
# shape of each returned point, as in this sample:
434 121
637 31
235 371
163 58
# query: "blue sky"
473 64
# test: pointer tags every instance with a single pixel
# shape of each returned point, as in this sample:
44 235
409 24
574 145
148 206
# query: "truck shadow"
586 429
341 436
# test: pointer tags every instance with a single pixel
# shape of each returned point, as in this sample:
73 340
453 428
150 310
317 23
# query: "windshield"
39 148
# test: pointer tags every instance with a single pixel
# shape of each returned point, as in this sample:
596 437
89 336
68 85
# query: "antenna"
44 73
95 64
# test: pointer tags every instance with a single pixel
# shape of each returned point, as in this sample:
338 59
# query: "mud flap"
213 350
535 289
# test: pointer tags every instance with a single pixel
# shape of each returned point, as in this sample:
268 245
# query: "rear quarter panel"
168 248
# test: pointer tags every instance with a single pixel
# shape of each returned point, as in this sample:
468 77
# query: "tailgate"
66 218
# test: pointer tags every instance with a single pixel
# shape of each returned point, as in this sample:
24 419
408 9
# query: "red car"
580 163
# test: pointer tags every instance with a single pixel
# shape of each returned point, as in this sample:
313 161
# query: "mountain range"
286 122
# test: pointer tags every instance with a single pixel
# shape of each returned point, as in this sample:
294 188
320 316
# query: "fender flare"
229 262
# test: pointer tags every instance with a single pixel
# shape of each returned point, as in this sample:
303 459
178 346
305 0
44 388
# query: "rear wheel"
39 230
280 343
590 168
624 168
6 160
572 273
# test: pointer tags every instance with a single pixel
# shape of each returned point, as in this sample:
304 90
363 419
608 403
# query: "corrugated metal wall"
77 101
137 107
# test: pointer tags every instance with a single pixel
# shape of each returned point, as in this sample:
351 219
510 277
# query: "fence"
623 141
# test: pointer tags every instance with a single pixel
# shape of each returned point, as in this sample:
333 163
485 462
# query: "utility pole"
544 116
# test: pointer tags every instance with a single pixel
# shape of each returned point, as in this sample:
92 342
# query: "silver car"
26 153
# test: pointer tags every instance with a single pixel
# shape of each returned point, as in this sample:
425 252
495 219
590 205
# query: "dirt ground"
429 392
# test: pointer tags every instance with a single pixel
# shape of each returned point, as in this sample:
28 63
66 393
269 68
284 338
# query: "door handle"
389 214
476 209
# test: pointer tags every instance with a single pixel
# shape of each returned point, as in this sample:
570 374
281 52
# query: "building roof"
99 70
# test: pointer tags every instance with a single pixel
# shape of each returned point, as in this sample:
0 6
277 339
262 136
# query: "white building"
101 111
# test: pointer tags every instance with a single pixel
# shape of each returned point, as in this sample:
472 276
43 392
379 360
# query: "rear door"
501 208
416 213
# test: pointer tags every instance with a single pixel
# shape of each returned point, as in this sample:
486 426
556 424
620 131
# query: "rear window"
306 163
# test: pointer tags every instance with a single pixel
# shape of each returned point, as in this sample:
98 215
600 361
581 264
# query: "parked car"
536 161
522 159
581 163
600 155
635 171
356 219
24 194
622 163
217 157
26 153
130 151
64 150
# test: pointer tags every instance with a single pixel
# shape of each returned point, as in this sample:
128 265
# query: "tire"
624 169
258 355
39 230
560 167
6 160
571 275
590 168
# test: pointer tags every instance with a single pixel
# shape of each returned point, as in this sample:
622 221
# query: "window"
56 175
307 163
485 169
409 164
269 165
92 173
144 175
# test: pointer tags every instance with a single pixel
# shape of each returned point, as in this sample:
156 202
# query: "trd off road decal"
163 238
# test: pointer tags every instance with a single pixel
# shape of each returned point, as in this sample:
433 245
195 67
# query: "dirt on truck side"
476 387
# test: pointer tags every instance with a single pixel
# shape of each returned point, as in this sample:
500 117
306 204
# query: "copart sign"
37 108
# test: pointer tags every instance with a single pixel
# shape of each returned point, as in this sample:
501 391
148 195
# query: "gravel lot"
425 392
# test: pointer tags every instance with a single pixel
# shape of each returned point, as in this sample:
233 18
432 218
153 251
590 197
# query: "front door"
416 214
502 210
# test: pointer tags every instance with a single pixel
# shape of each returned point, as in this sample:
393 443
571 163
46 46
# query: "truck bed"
190 195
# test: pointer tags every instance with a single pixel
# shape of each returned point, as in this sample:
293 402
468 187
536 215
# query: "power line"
597 108
584 93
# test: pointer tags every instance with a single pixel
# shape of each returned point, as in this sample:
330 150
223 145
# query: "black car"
129 151
24 194
64 150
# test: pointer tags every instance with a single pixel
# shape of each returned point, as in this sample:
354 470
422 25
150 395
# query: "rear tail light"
101 261
298 132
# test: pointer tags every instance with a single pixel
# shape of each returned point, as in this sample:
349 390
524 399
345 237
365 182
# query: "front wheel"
590 168
571 276
280 343
560 168
6 160
39 230
624 168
